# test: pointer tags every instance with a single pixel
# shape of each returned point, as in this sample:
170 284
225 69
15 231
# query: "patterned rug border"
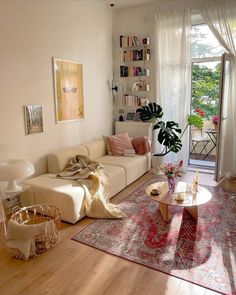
160 178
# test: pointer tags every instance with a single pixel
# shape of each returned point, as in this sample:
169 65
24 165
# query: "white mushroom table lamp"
13 170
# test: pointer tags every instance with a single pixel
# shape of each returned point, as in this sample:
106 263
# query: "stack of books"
128 41
132 41
129 153
131 101
135 55
126 71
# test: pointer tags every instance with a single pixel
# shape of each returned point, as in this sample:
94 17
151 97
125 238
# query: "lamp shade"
15 169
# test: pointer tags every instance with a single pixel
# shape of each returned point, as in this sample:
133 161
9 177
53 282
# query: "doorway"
206 80
205 100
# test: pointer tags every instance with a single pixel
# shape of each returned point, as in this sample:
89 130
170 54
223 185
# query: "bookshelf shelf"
135 55
135 47
133 71
133 41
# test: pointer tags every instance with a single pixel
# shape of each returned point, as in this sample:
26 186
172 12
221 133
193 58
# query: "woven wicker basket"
38 214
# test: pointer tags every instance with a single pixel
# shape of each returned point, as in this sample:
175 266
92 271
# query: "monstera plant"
169 135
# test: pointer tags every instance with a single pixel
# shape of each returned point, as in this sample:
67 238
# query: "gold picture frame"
68 88
33 118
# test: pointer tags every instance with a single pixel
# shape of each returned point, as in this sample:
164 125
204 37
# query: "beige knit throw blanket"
21 237
95 182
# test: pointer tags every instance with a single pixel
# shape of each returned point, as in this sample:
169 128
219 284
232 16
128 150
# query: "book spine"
121 41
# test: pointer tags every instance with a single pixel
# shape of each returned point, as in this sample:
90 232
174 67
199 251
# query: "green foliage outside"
205 89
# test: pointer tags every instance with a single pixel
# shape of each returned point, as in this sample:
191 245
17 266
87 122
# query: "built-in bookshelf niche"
135 56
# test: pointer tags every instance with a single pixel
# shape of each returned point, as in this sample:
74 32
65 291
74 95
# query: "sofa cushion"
119 143
96 148
141 145
67 195
58 160
117 178
134 166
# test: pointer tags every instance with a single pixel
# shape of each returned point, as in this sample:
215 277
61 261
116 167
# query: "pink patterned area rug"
202 253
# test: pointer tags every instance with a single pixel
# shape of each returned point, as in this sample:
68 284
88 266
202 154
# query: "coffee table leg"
164 211
193 211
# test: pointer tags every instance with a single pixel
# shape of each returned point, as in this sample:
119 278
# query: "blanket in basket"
21 237
95 182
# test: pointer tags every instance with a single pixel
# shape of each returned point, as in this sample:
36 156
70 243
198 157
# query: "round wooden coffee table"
182 190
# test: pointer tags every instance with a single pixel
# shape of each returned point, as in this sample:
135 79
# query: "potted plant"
169 135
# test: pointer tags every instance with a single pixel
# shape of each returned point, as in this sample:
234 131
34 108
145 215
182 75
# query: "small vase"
215 126
171 183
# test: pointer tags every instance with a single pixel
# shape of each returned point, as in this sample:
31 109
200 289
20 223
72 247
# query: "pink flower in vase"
171 170
215 119
180 164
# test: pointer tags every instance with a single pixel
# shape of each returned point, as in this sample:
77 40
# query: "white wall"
140 21
133 21
31 33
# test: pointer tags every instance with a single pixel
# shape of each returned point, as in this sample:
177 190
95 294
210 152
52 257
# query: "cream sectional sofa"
67 195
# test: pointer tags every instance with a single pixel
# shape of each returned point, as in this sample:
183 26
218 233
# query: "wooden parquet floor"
71 268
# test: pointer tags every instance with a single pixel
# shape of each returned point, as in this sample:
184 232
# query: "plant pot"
215 126
156 162
153 120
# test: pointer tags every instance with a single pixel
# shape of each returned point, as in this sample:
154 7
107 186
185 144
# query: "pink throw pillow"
141 145
119 143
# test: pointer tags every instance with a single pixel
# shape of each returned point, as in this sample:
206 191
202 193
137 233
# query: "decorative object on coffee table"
171 183
181 196
171 171
195 182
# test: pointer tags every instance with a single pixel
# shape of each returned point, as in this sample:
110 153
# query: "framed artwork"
130 116
137 118
33 118
68 88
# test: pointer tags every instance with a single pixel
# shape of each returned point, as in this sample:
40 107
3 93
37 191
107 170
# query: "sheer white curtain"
174 72
221 19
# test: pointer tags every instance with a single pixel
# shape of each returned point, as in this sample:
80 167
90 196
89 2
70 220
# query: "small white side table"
13 200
